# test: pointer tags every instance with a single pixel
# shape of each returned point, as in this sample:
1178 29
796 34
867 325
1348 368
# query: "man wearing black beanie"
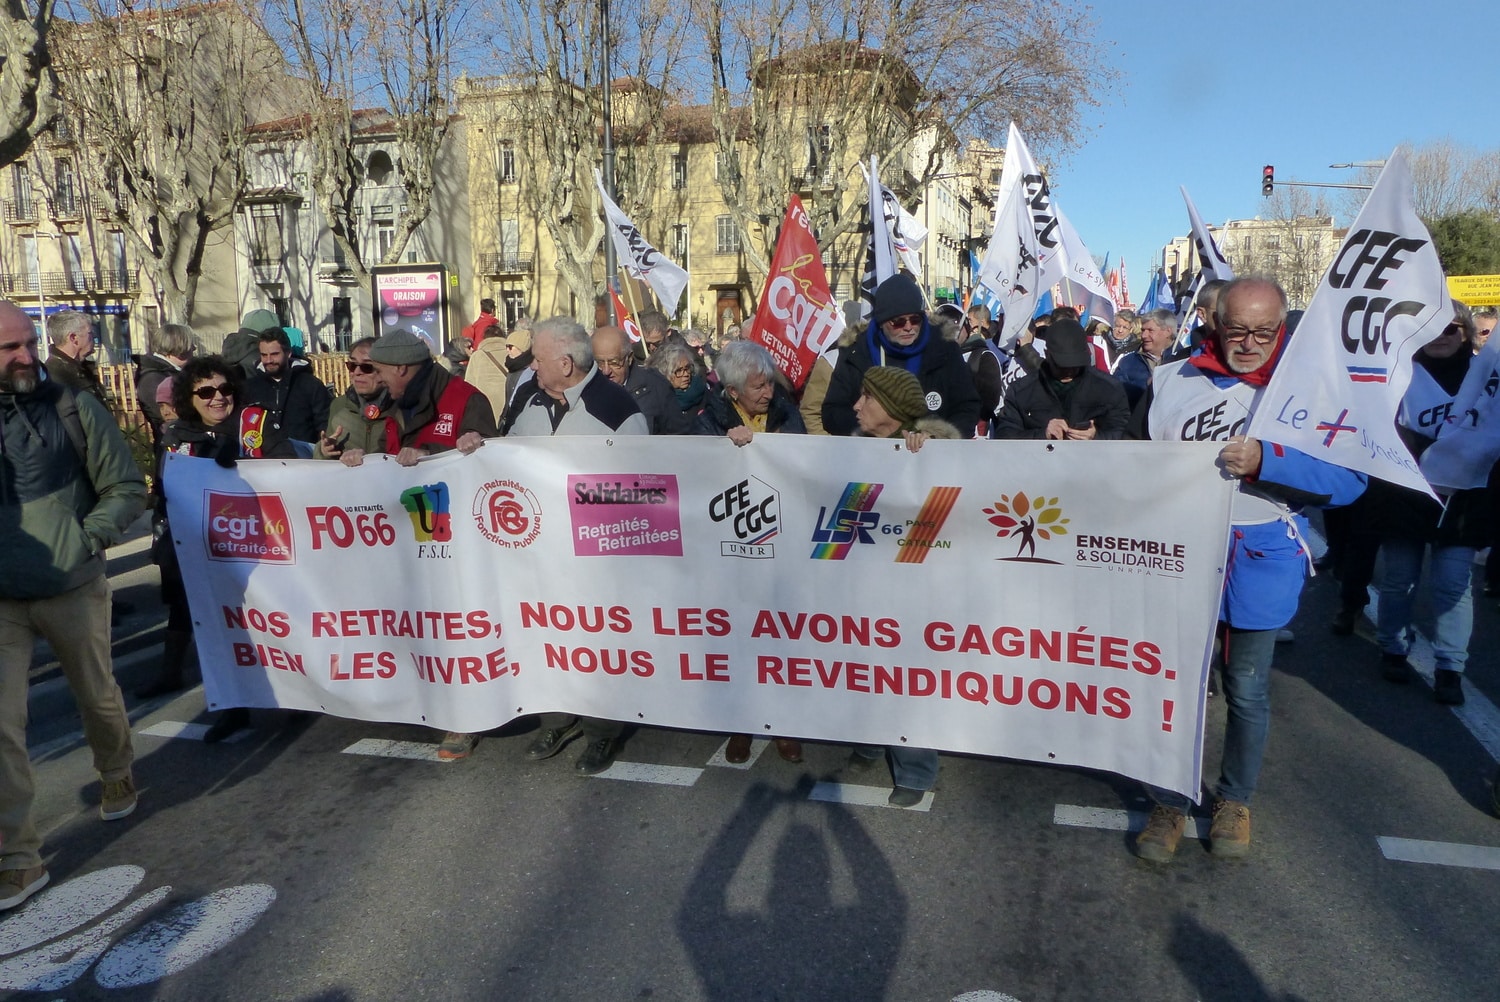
899 335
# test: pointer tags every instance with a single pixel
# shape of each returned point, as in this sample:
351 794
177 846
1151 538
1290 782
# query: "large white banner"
1337 387
641 259
1043 601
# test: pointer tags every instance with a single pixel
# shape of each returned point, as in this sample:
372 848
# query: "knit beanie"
896 297
519 339
259 321
897 391
164 390
400 348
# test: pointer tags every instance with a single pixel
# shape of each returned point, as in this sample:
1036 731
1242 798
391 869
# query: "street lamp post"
610 266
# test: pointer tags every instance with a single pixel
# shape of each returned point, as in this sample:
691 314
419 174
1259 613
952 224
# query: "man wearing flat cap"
434 411
1067 397
900 336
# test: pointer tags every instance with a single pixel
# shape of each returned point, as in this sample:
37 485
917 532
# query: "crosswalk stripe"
1113 819
642 772
418 751
1412 850
860 795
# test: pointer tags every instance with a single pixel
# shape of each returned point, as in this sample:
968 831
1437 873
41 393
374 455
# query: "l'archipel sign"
839 589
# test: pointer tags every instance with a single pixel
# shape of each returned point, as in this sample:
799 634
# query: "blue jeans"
1452 601
1247 696
913 768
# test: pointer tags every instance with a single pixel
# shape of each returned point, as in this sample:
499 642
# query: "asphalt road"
281 867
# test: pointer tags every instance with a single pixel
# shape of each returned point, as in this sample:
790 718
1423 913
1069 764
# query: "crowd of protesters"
901 370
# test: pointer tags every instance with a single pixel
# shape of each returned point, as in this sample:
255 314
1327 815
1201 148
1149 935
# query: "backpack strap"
67 410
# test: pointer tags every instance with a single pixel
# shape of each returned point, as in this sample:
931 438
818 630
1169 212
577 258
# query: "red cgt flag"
796 321
627 322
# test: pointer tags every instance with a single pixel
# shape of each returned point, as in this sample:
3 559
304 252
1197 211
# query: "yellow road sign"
1475 290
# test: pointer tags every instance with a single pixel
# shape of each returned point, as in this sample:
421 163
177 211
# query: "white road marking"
640 772
1477 713
1114 820
190 732
57 965
863 796
62 908
184 936
1412 850
416 750
985 997
756 747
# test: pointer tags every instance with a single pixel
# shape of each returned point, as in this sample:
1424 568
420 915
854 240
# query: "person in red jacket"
475 332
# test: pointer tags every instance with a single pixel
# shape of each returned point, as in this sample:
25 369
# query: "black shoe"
1395 668
1448 687
229 721
1343 622
905 796
551 741
162 685
598 756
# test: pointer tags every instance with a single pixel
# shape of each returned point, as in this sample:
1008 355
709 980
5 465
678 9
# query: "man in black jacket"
900 335
71 360
653 394
1067 397
297 404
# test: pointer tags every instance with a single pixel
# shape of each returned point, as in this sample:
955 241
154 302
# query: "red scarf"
1210 358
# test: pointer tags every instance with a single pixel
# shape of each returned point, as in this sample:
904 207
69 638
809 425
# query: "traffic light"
1267 179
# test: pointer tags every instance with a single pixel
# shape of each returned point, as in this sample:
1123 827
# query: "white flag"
1024 253
1340 379
1087 286
642 260
1468 442
907 235
1211 261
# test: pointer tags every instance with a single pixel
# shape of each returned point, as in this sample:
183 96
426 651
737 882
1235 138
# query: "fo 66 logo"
341 528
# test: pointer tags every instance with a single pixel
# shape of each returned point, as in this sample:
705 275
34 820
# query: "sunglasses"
206 393
365 367
905 320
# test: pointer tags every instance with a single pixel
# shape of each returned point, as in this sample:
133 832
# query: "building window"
266 245
25 200
732 165
385 237
728 235
505 162
679 171
680 243
67 189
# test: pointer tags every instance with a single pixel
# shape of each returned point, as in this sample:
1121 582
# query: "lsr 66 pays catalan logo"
247 527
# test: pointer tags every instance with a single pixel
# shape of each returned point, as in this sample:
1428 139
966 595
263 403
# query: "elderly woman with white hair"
685 371
748 398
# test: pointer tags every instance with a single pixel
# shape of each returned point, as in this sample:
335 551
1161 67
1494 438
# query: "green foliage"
1468 243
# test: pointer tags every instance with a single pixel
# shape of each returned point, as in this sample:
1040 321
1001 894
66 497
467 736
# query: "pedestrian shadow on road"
1216 969
800 943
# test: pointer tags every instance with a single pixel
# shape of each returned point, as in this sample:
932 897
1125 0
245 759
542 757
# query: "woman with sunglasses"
900 335
209 424
357 420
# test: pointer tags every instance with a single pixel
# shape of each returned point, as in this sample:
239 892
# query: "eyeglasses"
206 393
367 368
905 320
683 370
1262 337
622 363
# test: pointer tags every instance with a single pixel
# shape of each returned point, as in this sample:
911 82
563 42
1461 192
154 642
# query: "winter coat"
61 509
1134 373
719 414
153 371
78 375
1031 404
654 396
942 372
296 404
363 421
242 348
417 409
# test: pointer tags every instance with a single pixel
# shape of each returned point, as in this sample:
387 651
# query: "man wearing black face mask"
1067 397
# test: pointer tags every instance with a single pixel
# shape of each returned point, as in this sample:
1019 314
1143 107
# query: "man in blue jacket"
1210 396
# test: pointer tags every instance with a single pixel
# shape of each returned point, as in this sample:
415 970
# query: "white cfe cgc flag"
1341 377
1024 257
1041 601
666 279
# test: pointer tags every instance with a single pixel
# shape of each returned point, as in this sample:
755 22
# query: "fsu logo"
428 507
507 514
247 527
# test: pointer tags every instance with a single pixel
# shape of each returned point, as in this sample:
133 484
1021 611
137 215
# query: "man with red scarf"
1210 396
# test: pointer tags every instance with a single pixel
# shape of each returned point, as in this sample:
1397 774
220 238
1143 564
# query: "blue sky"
1213 91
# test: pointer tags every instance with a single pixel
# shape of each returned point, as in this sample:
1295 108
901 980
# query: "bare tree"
398 55
1293 242
28 86
802 88
159 100
549 109
1447 178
